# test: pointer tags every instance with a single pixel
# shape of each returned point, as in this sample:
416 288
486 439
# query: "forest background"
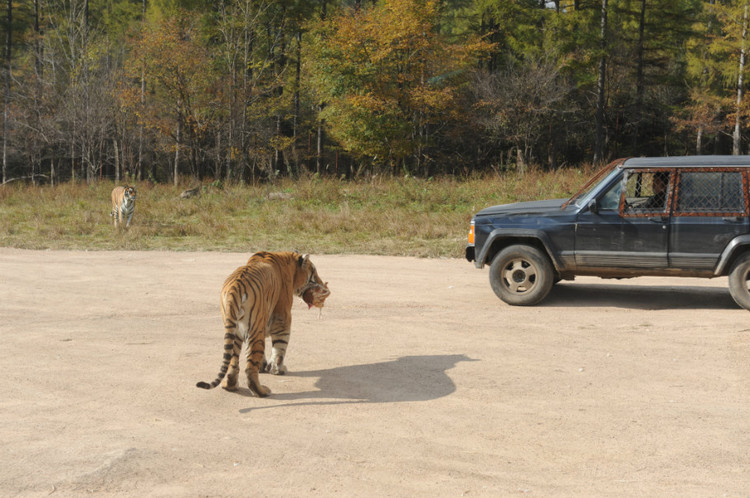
250 90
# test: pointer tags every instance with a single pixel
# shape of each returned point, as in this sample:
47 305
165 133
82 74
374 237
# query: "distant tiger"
123 205
256 301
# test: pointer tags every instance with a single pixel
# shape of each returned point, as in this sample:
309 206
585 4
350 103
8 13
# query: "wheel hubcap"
519 276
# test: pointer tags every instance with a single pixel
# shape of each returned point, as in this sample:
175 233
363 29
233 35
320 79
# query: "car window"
611 199
706 193
646 192
604 176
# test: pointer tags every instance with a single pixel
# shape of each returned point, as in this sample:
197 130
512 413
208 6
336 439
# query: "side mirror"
593 206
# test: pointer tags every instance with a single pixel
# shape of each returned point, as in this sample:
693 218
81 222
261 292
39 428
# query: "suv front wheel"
739 278
521 275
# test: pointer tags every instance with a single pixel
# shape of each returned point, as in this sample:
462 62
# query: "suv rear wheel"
521 275
739 278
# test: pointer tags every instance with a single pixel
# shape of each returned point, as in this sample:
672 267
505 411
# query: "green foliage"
386 75
249 90
513 25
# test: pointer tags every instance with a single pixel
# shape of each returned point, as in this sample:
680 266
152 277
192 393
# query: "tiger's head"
308 284
129 193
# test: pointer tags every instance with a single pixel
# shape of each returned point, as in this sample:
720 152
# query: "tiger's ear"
303 259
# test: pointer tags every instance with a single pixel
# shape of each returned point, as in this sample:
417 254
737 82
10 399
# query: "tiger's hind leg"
255 357
230 382
232 343
279 329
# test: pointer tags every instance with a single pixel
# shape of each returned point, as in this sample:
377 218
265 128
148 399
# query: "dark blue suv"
674 216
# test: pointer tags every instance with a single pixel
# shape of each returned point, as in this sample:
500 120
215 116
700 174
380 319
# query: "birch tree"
737 134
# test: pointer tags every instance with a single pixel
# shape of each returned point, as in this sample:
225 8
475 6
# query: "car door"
629 225
711 208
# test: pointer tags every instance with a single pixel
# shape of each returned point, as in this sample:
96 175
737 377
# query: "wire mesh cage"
687 193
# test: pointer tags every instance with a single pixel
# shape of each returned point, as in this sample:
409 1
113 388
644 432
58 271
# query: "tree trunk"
139 162
247 72
520 163
639 85
73 151
319 147
737 136
6 99
599 140
699 141
297 83
177 151
319 141
38 77
87 150
117 161
639 78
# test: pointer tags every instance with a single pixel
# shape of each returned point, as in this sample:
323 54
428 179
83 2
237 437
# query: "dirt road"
416 382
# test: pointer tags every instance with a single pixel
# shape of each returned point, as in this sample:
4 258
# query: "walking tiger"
256 301
123 205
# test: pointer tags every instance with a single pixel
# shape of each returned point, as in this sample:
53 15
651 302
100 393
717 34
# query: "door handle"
732 219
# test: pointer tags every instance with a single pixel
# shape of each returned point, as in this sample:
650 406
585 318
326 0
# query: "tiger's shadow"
409 378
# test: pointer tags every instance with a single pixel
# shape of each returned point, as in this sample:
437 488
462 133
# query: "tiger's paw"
275 369
229 384
255 386
260 390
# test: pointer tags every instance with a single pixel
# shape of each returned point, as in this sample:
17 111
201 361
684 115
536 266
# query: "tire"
739 278
521 275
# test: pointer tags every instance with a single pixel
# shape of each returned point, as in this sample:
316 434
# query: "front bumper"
470 253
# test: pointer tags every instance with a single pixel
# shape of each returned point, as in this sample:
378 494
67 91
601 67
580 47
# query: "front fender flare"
528 234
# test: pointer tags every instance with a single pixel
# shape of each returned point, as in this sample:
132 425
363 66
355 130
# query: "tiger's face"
129 193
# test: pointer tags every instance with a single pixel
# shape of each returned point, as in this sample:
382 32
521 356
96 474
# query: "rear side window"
710 193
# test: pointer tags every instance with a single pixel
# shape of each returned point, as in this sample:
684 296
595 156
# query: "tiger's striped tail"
232 347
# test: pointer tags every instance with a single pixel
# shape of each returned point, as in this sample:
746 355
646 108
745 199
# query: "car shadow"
409 378
639 296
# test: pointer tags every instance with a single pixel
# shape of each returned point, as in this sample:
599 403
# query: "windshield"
582 197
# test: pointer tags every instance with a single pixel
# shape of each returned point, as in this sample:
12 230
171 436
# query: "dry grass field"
383 216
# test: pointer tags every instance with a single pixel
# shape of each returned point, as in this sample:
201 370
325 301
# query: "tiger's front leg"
279 329
120 219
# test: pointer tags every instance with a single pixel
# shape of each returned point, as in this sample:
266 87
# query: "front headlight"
471 233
